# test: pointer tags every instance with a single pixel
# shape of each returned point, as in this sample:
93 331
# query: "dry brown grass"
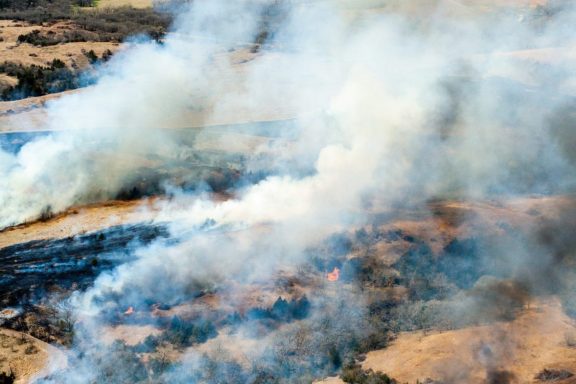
81 220
7 81
534 341
29 114
129 334
124 3
27 54
26 356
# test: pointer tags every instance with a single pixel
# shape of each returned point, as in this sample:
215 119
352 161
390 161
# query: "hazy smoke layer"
402 109
436 106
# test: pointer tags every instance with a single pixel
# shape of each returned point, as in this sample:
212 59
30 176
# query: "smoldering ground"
389 109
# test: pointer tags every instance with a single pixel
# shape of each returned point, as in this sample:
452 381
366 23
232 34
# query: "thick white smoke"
386 108
377 83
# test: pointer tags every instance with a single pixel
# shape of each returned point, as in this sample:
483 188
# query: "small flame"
334 275
129 311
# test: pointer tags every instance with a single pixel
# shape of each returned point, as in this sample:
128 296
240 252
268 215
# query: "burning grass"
416 289
300 262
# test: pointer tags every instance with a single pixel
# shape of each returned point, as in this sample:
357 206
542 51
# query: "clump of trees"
37 38
300 348
210 370
282 310
353 373
120 364
116 24
35 80
44 322
181 334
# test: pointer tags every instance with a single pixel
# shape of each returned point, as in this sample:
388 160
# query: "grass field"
27 54
124 3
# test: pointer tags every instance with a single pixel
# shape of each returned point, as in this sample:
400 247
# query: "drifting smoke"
445 104
387 109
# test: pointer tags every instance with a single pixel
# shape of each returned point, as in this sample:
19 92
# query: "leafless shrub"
553 375
31 349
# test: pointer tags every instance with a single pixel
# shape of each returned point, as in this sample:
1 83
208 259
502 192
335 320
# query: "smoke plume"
390 108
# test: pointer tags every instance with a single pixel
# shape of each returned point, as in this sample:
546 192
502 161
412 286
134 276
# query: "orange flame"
129 311
334 275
